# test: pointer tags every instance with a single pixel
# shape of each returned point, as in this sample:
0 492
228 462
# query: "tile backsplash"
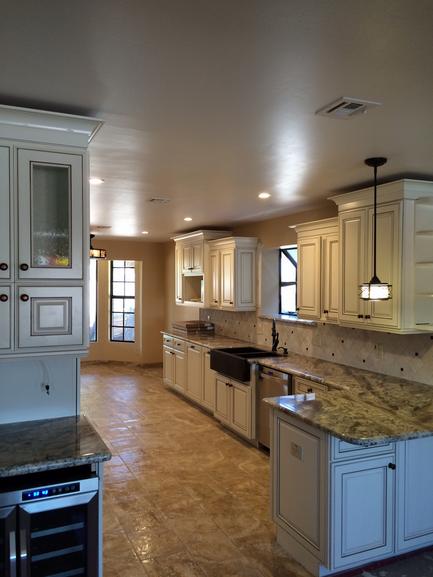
406 356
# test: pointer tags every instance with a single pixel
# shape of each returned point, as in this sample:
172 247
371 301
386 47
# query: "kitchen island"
352 473
51 475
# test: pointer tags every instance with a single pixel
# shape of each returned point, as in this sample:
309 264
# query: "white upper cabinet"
50 215
5 213
317 278
232 263
192 271
5 318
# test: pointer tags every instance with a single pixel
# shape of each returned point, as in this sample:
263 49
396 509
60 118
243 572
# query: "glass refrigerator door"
59 537
8 551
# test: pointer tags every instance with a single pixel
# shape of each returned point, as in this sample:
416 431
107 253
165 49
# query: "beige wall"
275 232
151 299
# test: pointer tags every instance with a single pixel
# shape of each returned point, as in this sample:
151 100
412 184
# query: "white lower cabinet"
168 359
209 383
233 405
362 524
338 506
194 381
179 382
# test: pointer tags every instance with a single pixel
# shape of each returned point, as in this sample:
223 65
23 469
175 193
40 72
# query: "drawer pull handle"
4 298
367 316
310 390
325 312
392 466
360 316
3 266
231 302
24 298
24 266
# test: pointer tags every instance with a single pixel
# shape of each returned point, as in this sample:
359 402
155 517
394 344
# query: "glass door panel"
50 219
50 215
8 559
61 541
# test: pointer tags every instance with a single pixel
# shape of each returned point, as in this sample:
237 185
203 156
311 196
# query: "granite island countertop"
361 407
32 446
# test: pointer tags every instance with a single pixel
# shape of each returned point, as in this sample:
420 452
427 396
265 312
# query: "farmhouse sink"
233 361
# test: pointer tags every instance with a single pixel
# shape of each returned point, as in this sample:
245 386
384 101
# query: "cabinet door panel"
50 209
227 280
178 278
5 214
241 408
363 523
415 494
187 258
308 297
180 371
352 265
214 281
209 384
222 400
50 316
197 257
246 279
194 382
168 366
5 318
330 276
386 313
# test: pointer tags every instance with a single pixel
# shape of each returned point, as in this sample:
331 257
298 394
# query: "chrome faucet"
275 337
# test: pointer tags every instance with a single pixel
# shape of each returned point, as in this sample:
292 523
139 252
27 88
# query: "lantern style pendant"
375 290
96 252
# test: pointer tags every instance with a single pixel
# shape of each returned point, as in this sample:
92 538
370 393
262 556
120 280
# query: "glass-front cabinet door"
50 205
8 551
5 188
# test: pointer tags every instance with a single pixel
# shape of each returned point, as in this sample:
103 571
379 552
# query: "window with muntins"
122 301
288 271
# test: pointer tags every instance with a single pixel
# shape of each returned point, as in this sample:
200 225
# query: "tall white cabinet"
44 242
404 256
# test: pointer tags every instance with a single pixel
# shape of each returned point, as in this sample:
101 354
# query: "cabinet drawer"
306 386
179 345
5 318
341 450
168 340
50 316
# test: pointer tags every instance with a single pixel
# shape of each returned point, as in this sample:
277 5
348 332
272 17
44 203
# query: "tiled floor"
183 497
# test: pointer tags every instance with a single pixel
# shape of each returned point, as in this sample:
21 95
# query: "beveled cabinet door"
50 206
5 215
50 316
5 318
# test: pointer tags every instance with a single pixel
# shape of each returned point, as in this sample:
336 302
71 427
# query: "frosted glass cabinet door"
5 245
50 204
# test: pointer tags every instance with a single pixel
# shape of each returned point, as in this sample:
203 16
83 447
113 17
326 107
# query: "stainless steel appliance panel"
270 383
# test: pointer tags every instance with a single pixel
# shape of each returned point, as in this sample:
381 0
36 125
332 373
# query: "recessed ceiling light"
144 232
188 219
95 180
264 195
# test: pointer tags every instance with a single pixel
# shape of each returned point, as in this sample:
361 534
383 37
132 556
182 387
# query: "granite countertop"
361 407
210 341
32 446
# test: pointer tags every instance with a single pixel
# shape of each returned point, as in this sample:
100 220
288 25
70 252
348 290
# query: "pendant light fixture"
96 252
375 290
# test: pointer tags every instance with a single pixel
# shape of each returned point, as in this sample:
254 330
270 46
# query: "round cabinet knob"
24 298
3 266
4 298
24 266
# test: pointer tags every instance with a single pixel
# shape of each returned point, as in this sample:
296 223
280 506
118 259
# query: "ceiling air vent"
345 107
159 200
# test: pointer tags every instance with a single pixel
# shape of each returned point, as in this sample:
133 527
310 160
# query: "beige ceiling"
209 102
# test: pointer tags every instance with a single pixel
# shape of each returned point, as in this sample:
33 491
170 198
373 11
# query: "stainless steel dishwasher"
270 383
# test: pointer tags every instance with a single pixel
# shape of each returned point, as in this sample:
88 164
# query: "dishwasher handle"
265 373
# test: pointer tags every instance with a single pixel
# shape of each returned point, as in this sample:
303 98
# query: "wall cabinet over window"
404 256
317 282
232 266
